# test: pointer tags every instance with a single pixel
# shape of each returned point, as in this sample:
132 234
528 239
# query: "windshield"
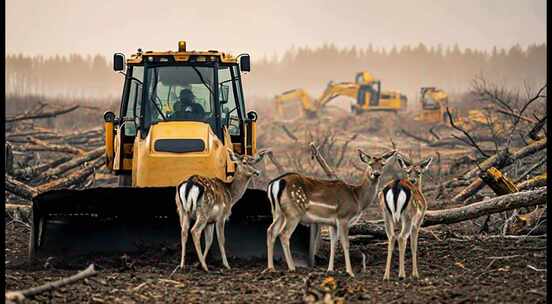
429 103
179 93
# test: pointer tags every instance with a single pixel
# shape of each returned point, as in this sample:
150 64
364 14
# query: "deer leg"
221 240
209 230
314 242
196 236
285 236
343 232
333 241
403 238
184 226
390 231
413 250
414 247
271 234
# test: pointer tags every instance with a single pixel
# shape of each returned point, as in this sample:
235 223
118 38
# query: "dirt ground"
454 269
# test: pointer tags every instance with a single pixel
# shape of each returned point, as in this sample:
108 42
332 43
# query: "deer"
402 202
209 201
296 198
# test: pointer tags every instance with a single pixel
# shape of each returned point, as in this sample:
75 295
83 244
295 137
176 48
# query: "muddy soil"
454 269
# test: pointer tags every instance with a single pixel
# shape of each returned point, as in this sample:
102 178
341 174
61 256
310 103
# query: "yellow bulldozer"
366 91
180 111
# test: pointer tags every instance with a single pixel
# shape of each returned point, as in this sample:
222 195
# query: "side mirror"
252 115
224 90
118 62
109 116
245 63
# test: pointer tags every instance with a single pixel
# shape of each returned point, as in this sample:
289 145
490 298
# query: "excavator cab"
180 113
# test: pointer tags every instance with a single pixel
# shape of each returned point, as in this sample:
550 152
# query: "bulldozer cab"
164 90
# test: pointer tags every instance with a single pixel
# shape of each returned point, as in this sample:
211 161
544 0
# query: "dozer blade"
116 220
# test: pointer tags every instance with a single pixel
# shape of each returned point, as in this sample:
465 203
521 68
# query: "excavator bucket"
126 220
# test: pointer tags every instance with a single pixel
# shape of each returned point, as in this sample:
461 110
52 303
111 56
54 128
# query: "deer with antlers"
296 199
402 202
209 201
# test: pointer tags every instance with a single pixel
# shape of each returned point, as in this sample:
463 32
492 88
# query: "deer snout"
413 180
376 174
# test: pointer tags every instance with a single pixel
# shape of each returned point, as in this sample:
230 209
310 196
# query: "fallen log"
47 148
537 181
34 171
20 189
41 115
486 207
75 178
67 147
58 171
17 296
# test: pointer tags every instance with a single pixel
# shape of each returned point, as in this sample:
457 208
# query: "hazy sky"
267 27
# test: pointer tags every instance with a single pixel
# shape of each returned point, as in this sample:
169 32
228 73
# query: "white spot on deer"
334 207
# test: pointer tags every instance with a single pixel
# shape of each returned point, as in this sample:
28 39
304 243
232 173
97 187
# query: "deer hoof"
351 274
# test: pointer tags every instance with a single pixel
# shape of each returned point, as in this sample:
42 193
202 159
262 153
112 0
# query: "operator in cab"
186 108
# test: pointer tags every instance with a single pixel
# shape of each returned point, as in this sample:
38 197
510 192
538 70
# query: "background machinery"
434 104
366 91
153 146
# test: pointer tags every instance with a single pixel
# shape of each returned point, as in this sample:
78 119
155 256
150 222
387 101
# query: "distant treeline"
404 69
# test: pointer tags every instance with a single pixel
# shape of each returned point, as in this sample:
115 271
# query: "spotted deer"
402 202
296 199
209 201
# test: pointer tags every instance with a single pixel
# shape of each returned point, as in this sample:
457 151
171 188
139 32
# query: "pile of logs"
40 159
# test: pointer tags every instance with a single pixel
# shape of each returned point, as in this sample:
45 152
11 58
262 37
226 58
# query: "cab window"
134 99
231 112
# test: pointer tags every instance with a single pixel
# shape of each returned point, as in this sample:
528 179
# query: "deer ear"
260 155
402 162
364 157
424 165
389 154
233 156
